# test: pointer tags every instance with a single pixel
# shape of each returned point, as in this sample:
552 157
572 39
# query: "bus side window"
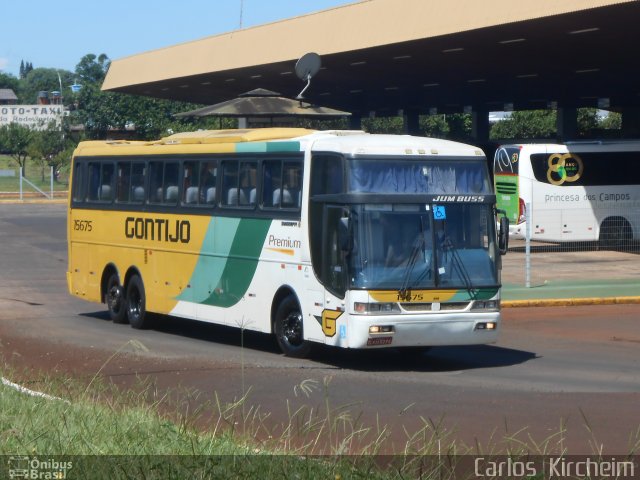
137 182
326 174
163 182
190 183
170 183
271 183
239 186
333 275
78 182
248 183
123 182
326 177
208 174
230 183
292 181
100 182
93 180
155 182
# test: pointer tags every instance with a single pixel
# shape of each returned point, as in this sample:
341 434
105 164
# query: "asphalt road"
574 370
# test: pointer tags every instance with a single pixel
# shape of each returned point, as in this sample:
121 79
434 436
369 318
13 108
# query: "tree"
92 69
612 121
9 81
434 125
459 126
25 68
62 160
588 121
526 124
45 145
383 125
15 140
42 79
101 112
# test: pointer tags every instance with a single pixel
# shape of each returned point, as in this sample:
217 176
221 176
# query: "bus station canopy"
426 55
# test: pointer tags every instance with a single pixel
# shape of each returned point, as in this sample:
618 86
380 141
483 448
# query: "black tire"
289 329
115 300
136 304
615 233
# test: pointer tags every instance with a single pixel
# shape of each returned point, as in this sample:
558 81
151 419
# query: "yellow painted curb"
569 302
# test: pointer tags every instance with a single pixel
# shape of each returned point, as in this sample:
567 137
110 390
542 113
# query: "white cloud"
3 63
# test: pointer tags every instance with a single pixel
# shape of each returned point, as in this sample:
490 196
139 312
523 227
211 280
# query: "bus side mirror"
503 235
344 235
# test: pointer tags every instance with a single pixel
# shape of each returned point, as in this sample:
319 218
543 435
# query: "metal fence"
611 253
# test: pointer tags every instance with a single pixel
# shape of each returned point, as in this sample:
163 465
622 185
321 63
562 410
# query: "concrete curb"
14 201
569 302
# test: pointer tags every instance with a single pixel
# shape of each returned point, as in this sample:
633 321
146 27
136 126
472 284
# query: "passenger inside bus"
404 239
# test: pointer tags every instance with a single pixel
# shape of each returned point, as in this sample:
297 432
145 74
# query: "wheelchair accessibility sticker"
439 212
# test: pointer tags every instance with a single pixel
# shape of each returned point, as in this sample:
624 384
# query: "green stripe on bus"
260 147
212 260
226 268
479 294
283 147
251 147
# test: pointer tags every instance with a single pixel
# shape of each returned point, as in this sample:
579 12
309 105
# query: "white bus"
578 191
337 238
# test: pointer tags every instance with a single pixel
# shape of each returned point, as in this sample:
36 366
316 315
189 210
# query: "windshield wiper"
458 265
418 245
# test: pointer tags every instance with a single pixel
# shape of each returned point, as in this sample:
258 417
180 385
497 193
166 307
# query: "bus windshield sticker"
439 212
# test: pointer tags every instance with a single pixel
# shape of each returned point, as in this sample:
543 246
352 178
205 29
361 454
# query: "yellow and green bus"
339 238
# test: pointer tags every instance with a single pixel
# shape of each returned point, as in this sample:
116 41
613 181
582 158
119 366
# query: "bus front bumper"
429 330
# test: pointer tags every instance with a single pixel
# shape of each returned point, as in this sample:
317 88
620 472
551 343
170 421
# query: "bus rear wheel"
136 303
289 329
615 232
115 300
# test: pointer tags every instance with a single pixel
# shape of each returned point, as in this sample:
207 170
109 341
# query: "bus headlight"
486 326
490 305
381 308
381 329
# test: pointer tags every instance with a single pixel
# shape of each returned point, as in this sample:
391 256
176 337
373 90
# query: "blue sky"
58 34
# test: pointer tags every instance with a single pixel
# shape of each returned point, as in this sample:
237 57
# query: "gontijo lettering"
159 229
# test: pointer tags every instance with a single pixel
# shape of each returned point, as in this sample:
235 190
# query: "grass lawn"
33 173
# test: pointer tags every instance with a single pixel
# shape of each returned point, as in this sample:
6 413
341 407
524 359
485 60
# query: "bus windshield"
418 246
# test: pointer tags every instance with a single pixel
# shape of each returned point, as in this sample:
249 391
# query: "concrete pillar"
480 126
411 120
567 123
355 121
631 122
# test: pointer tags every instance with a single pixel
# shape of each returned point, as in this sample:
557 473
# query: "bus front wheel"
289 329
115 301
136 301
